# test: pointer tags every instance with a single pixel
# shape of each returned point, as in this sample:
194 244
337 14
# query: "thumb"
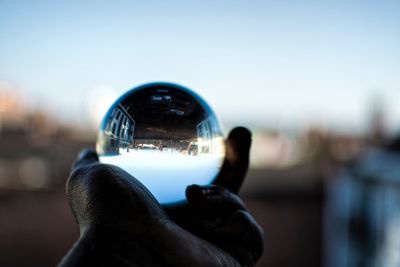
236 162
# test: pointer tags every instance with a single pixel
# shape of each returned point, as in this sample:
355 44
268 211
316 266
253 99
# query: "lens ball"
164 135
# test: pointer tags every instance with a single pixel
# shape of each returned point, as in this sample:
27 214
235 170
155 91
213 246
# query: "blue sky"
267 62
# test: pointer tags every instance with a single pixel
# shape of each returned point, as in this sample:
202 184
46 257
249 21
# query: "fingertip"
88 154
236 161
85 157
238 144
240 130
240 135
194 193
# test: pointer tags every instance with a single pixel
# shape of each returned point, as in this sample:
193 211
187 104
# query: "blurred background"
317 82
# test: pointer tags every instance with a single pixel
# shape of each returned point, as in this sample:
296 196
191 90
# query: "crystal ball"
164 135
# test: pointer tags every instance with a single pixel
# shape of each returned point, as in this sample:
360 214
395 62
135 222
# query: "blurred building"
36 153
363 213
35 150
312 215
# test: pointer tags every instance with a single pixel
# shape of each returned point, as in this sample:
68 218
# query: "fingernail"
198 191
207 191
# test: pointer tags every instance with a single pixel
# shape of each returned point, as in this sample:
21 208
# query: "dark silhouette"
122 224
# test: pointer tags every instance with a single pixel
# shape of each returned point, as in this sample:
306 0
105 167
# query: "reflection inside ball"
164 135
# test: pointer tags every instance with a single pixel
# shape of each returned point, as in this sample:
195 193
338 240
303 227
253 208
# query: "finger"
86 157
237 223
242 227
239 226
213 198
236 161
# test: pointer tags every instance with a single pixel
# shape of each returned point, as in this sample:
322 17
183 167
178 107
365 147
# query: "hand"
216 214
122 224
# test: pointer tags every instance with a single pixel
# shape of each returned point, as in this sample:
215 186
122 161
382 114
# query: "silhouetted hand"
216 214
122 224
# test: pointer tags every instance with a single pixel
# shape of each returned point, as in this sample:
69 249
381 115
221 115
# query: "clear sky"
274 62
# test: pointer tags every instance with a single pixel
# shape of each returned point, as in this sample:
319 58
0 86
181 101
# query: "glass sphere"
164 135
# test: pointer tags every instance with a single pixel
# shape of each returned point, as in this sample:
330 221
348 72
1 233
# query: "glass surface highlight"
164 135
